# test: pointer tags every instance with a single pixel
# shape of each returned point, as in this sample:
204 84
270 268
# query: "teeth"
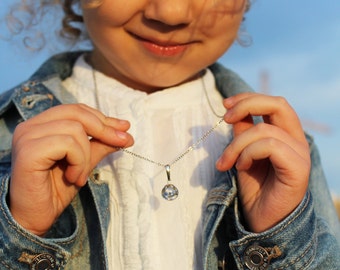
167 47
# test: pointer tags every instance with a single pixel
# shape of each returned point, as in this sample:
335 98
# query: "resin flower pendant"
169 192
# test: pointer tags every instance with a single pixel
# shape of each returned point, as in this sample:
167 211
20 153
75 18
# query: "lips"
162 48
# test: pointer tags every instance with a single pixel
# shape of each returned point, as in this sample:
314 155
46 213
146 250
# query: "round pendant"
169 192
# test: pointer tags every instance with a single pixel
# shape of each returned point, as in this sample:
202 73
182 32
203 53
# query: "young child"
143 153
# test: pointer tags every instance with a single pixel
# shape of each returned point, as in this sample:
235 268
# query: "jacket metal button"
43 262
256 258
25 87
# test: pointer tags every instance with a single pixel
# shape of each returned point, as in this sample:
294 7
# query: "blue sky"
297 43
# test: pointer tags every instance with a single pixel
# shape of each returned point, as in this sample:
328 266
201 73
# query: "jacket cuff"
20 249
290 244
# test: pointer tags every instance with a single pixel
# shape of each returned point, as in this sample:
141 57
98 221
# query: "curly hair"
31 12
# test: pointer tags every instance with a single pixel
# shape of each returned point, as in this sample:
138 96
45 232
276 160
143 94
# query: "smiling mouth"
159 48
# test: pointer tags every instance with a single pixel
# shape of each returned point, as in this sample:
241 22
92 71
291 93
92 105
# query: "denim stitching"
244 242
24 234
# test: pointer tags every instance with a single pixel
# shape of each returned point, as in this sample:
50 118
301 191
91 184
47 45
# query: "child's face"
152 44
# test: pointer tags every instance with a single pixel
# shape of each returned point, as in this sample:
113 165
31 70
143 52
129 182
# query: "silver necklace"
169 192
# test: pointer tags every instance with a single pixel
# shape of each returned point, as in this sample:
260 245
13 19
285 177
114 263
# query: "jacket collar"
33 97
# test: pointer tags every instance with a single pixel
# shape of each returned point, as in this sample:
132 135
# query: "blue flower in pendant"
170 192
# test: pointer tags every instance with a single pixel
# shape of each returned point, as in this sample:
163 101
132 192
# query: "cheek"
220 34
222 19
101 21
112 12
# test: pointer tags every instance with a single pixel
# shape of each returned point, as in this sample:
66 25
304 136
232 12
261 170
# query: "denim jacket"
307 239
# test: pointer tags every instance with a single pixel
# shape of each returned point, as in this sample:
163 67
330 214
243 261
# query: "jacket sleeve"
19 249
307 239
323 204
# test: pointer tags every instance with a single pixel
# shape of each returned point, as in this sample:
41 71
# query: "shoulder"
33 96
59 64
228 82
27 93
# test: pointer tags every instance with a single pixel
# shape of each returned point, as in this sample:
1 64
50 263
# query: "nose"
170 12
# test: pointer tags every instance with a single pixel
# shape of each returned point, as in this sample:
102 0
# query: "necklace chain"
169 191
187 151
208 100
190 148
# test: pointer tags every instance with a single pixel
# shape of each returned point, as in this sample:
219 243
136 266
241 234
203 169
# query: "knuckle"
69 140
282 101
81 106
20 133
20 128
76 127
273 143
76 108
261 128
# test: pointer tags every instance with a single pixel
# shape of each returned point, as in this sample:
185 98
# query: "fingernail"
228 114
228 102
121 135
219 162
123 122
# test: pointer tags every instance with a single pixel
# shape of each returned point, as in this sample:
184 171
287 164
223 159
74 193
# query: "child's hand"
53 154
272 158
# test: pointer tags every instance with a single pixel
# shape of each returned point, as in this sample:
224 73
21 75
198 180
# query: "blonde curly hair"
27 14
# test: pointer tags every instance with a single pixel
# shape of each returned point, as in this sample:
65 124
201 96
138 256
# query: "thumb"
100 150
241 126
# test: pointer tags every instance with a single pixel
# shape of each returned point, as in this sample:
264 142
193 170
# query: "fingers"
75 154
274 110
77 134
106 129
52 155
260 132
280 124
277 152
242 125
